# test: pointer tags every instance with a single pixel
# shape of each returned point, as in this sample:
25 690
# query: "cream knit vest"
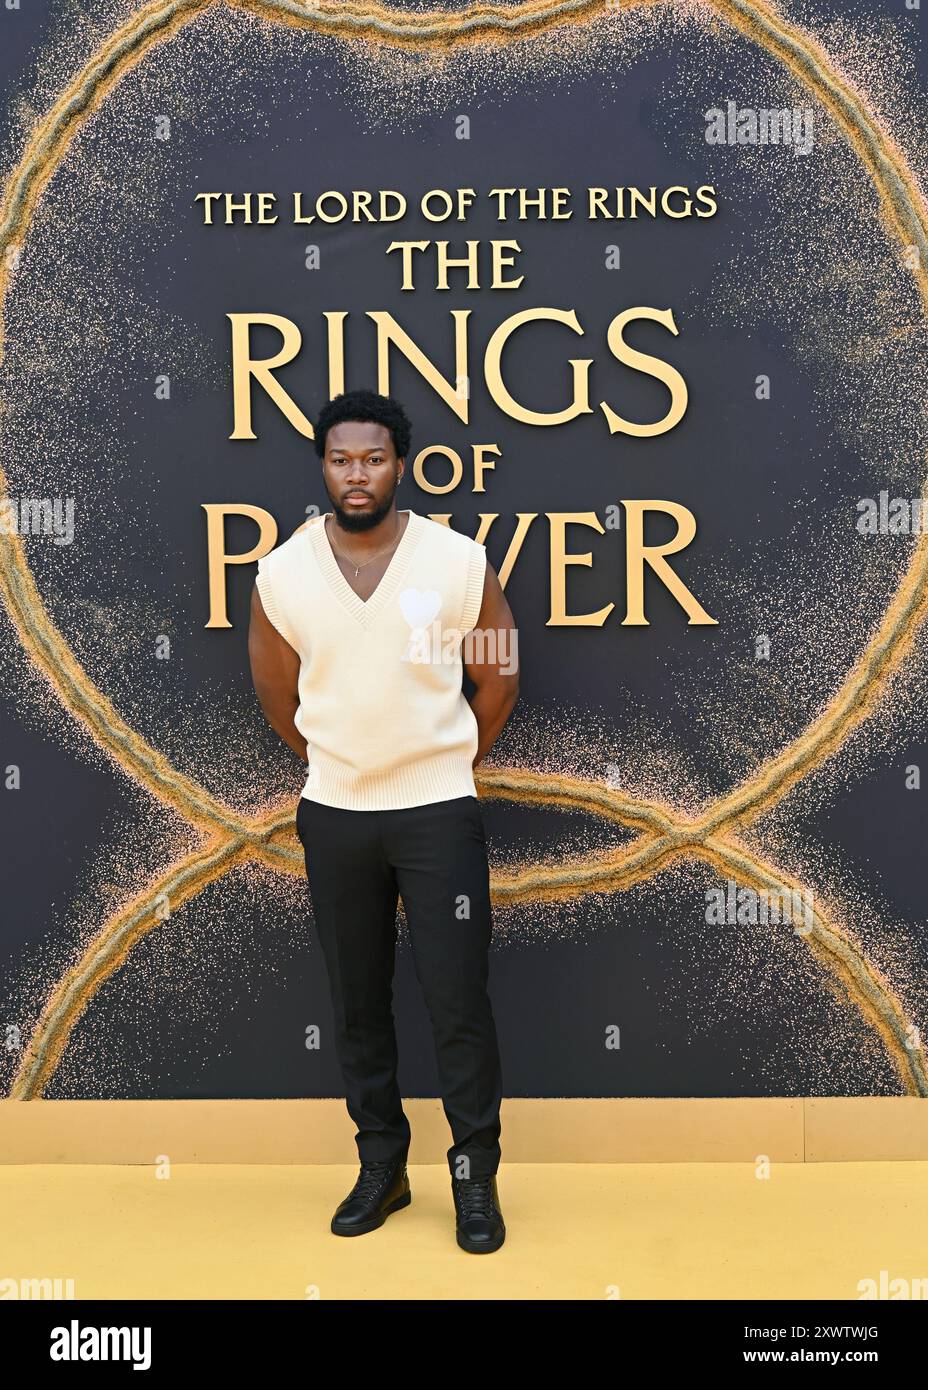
381 702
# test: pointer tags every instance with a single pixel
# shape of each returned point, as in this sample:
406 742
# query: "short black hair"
365 406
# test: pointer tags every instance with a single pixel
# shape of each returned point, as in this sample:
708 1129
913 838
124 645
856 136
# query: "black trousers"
358 863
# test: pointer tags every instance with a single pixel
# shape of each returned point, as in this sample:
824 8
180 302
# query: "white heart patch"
419 606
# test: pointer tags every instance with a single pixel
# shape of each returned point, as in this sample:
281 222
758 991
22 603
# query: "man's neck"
370 539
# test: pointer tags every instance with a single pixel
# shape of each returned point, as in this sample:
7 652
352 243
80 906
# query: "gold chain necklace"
359 568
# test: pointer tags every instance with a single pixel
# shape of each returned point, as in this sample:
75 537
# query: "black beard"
358 521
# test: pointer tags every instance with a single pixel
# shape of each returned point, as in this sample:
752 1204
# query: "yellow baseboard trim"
786 1130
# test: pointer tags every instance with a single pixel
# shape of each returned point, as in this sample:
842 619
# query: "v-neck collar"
366 610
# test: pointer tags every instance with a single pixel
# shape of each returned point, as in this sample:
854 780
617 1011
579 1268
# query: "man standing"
362 623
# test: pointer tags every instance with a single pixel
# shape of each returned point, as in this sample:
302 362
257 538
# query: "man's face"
360 471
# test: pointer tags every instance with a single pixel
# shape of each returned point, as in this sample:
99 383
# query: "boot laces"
476 1196
371 1179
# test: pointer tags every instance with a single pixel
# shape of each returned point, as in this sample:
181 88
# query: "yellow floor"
574 1231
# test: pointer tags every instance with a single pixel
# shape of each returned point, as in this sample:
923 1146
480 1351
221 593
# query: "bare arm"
275 671
491 660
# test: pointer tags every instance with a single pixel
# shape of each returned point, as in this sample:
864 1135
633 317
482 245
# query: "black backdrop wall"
800 339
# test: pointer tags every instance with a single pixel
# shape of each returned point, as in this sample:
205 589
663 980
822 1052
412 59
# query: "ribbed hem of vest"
473 596
439 778
269 604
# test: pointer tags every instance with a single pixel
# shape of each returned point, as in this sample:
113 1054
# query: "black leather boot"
480 1226
380 1189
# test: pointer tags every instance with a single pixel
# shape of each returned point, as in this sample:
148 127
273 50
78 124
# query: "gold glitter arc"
665 835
